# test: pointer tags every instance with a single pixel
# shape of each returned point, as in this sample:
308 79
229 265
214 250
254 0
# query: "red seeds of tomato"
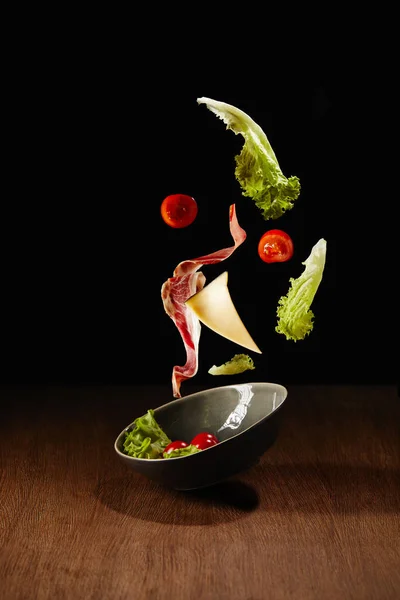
275 246
179 210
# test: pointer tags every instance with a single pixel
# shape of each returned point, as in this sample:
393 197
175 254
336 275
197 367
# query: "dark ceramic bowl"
244 418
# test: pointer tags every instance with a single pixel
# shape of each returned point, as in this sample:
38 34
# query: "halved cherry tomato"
204 440
275 246
175 446
179 210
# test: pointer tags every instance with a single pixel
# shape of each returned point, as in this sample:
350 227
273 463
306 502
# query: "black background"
100 139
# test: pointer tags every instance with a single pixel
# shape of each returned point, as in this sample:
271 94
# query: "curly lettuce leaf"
295 318
257 168
238 364
146 439
182 452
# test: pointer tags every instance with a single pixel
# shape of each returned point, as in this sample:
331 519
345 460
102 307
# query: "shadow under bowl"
244 417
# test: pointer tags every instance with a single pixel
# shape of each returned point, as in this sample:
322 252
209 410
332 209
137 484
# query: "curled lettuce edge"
295 318
257 169
179 452
238 364
145 439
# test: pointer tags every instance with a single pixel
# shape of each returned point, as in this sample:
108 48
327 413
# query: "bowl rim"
184 398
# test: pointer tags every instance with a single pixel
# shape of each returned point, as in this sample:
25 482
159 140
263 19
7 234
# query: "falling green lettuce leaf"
257 168
238 364
295 319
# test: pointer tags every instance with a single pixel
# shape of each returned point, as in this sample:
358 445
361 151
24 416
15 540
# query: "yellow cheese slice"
213 306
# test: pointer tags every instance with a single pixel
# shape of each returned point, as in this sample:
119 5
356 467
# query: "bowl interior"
225 411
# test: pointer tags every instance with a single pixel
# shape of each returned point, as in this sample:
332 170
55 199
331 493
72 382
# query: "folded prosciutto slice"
187 281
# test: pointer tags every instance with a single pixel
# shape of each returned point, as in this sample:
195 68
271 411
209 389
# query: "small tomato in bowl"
176 445
204 440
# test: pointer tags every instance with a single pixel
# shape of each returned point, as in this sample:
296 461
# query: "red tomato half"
175 446
204 440
275 246
179 210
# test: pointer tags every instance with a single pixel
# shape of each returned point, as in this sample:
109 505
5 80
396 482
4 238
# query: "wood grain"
317 518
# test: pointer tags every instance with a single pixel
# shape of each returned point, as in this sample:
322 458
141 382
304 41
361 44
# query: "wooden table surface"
317 518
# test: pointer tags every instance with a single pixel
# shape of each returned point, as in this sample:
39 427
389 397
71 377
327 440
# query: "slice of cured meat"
186 281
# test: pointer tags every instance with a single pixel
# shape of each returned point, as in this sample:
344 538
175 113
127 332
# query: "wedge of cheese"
213 306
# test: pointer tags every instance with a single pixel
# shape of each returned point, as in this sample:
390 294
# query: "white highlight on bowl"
238 414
